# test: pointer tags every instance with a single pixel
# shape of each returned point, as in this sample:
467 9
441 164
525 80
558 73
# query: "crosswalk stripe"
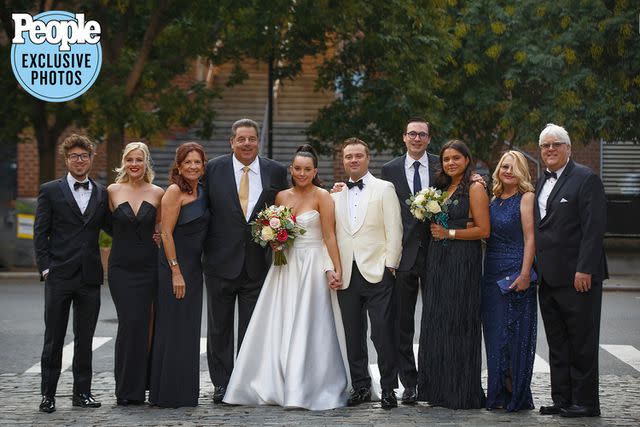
203 345
627 353
540 365
67 354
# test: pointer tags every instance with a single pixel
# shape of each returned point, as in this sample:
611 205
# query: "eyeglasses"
413 135
554 145
77 157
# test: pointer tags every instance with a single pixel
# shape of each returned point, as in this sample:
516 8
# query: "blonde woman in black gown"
133 201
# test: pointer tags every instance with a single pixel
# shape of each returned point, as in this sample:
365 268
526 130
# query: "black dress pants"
572 325
58 298
221 301
376 299
406 294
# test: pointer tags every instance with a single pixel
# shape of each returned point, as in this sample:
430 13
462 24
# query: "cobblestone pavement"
19 399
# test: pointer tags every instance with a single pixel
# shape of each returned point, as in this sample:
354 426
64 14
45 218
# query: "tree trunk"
115 143
46 153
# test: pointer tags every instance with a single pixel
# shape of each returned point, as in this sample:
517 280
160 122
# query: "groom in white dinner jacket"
369 235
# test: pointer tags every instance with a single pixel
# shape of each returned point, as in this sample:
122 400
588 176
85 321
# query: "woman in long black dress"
449 359
175 365
133 201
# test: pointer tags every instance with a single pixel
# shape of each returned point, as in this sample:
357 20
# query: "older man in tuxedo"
69 215
369 235
570 218
238 186
410 173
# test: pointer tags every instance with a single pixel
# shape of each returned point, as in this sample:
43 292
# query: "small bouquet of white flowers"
276 226
430 204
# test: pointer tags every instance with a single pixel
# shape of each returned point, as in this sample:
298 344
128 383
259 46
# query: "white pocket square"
563 200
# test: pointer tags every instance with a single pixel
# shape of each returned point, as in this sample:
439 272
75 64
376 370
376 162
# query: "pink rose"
274 223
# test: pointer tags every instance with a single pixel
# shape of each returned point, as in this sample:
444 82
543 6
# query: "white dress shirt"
81 195
423 170
355 196
255 182
547 188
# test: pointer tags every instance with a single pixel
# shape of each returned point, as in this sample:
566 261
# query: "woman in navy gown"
509 314
175 363
450 354
133 201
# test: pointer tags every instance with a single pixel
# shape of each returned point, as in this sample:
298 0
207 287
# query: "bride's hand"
334 280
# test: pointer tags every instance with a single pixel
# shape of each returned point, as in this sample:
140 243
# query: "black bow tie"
548 174
358 184
84 185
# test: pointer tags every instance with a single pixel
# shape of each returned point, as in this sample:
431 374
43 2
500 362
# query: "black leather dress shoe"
48 404
361 395
218 393
127 402
388 399
409 396
552 410
575 411
85 400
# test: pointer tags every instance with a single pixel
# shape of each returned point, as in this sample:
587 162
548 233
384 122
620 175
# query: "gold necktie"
243 192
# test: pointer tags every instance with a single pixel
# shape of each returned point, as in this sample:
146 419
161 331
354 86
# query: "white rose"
267 234
419 199
419 214
433 207
274 223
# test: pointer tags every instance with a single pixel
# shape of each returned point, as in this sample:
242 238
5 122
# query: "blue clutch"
504 284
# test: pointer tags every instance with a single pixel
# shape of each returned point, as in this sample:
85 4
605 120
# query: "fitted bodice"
310 221
458 214
132 234
505 246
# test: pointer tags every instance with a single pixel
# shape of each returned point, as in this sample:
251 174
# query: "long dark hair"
181 153
443 181
306 150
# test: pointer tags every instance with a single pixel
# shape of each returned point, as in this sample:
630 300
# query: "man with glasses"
570 216
410 173
69 215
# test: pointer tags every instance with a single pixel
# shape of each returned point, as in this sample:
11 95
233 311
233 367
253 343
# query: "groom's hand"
334 280
337 187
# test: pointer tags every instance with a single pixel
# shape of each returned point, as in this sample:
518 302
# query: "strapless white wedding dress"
293 353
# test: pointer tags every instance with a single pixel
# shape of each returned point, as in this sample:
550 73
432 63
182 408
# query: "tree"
384 69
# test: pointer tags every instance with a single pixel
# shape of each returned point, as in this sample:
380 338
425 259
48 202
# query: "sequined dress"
509 320
450 353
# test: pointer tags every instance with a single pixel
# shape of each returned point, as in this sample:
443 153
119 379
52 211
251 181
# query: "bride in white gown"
293 353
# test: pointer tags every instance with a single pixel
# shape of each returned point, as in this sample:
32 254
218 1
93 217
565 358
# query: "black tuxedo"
569 239
411 273
66 243
235 266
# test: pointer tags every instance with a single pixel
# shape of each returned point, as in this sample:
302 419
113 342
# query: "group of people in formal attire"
363 259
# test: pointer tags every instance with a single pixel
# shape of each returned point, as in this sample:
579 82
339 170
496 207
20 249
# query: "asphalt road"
22 325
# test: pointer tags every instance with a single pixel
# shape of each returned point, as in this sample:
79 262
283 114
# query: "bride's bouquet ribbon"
276 226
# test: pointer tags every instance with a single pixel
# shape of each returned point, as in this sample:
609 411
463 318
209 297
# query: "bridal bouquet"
430 204
276 226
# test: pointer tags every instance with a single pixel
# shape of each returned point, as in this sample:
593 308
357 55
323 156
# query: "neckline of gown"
306 212
131 213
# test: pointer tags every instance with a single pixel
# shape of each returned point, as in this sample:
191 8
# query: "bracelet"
452 234
173 262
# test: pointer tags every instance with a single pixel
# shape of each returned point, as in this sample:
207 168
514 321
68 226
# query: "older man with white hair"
570 223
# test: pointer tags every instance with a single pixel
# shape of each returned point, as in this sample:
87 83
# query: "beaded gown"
175 362
509 320
449 357
132 281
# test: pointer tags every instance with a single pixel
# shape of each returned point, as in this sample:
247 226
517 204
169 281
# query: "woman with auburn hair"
509 311
175 363
450 354
134 202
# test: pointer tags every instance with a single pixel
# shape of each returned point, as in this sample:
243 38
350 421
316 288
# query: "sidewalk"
20 398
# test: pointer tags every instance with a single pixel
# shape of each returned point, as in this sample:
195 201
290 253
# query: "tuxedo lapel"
93 202
536 206
342 204
229 182
66 191
401 179
434 167
364 203
556 188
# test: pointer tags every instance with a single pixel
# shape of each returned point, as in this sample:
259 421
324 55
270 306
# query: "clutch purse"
504 284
